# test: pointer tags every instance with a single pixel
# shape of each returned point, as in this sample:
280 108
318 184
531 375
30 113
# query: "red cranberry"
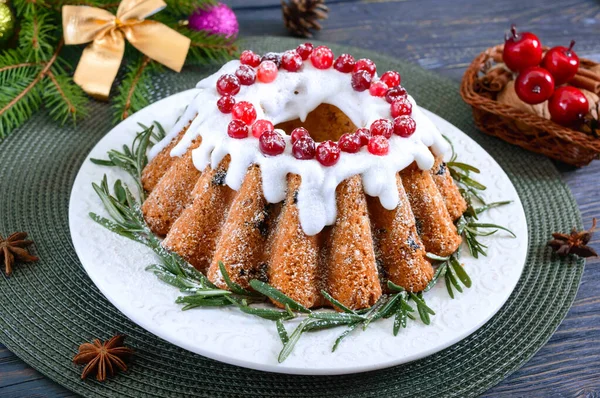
382 127
344 63
364 134
378 145
249 58
267 72
298 133
271 143
534 85
361 80
521 50
401 107
349 142
321 57
291 61
244 111
395 93
273 57
378 89
246 75
237 129
305 50
366 65
261 126
328 153
304 148
562 63
567 105
404 126
391 78
226 103
228 84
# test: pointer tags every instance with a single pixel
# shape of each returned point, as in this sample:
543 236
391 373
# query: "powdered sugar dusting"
293 96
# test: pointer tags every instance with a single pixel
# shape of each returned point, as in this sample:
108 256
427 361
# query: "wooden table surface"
444 36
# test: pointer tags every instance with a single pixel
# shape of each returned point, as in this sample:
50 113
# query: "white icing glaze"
292 96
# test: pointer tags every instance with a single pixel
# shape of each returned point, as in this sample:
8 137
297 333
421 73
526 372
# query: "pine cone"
300 16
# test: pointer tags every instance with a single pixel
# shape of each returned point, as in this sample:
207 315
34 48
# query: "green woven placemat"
50 307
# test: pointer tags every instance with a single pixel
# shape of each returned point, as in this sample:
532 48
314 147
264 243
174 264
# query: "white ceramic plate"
117 266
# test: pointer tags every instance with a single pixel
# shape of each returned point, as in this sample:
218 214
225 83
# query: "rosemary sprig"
133 159
197 291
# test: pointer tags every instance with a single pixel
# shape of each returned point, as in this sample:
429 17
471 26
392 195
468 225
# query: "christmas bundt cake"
308 173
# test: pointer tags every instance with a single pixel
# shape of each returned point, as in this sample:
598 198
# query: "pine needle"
64 99
206 48
134 90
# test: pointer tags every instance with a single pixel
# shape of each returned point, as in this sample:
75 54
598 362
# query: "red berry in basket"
378 145
260 126
321 57
228 84
298 133
328 153
305 50
391 78
271 143
249 58
401 107
567 105
304 148
366 65
521 50
273 57
534 85
350 143
395 93
246 75
382 127
404 126
244 111
562 63
267 72
237 129
226 103
344 63
378 89
291 61
361 80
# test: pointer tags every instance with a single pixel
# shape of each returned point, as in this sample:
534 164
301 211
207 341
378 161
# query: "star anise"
13 248
103 358
575 243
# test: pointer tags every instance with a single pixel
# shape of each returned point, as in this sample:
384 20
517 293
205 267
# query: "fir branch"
206 48
14 66
38 33
19 100
134 92
183 8
64 99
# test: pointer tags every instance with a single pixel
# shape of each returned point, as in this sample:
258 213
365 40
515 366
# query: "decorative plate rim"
82 226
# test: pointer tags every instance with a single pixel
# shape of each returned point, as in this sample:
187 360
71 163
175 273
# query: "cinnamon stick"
495 79
589 74
586 83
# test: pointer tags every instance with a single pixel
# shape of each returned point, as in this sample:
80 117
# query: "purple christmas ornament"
219 20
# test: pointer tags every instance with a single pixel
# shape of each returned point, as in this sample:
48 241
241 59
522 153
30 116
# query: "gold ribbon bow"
100 60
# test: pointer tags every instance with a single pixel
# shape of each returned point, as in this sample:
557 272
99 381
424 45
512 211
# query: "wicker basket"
524 129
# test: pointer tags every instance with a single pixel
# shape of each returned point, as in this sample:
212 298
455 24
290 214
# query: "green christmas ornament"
7 23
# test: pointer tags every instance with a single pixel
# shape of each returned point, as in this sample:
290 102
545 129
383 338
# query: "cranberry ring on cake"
308 173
